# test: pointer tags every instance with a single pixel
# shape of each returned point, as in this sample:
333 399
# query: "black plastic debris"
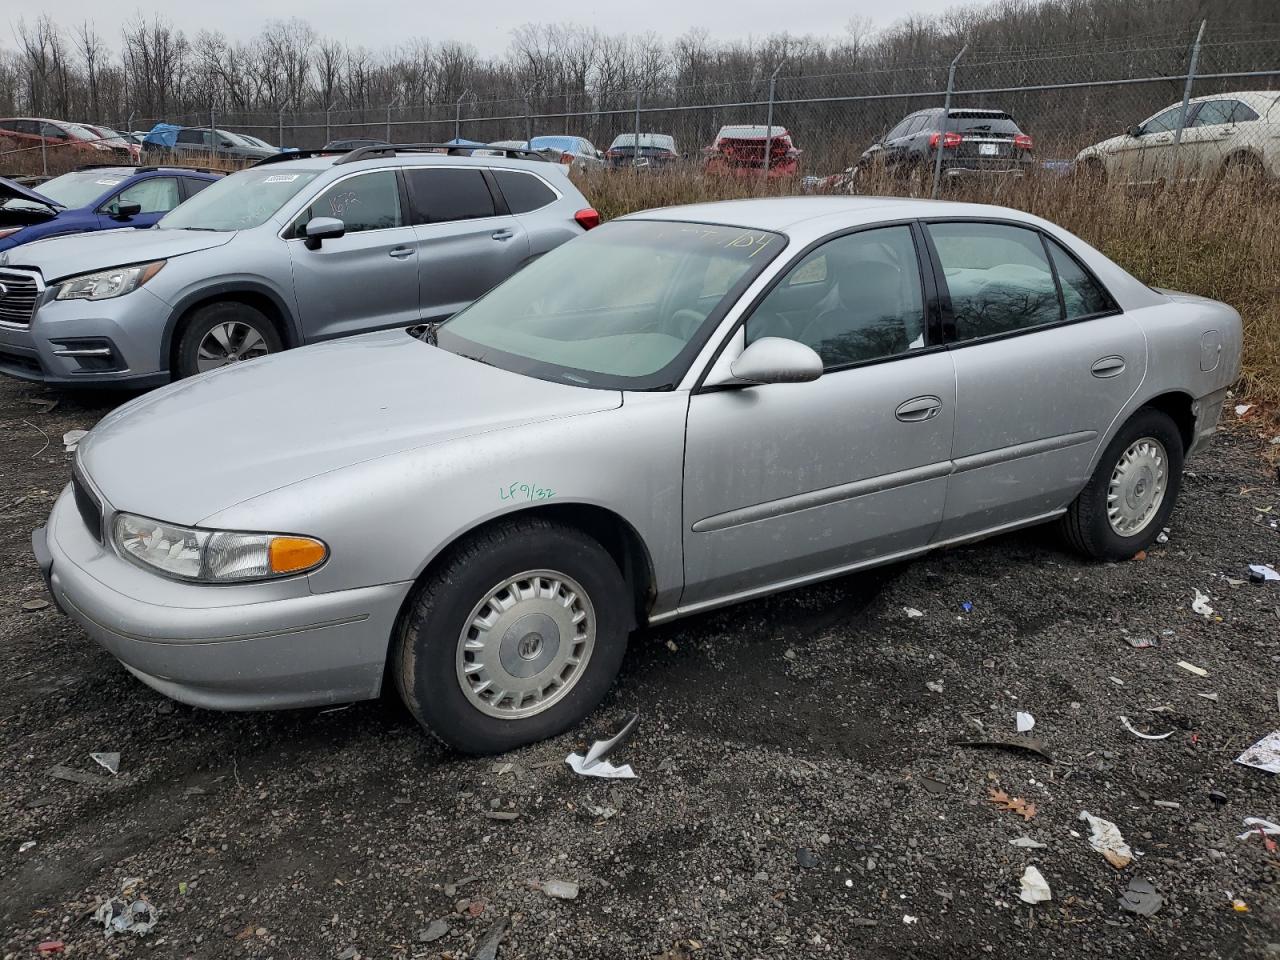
1141 898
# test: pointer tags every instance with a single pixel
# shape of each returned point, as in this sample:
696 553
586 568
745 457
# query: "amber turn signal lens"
292 554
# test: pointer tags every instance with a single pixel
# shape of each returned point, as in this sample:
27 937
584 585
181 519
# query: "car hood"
59 257
11 188
1110 145
188 450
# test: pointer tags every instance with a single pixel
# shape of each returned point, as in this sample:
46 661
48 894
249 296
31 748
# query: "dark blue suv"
94 198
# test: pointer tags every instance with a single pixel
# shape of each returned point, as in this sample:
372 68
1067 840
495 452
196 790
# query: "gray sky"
488 24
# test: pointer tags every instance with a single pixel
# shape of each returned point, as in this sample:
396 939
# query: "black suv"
972 141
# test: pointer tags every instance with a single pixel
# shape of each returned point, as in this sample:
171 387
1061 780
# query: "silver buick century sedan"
679 410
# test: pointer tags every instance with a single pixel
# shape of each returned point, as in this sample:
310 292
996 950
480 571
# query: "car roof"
382 160
1266 96
819 215
127 170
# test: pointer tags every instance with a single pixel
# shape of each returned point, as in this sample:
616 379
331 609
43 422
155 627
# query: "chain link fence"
1067 98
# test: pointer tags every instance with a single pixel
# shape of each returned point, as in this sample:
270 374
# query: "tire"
1243 169
247 333
1092 171
444 680
1089 528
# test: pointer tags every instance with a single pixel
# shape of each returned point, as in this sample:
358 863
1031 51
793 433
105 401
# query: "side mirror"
1134 131
777 360
126 210
319 229
226 144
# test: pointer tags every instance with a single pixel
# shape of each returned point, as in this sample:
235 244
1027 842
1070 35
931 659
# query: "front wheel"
515 637
1132 492
224 333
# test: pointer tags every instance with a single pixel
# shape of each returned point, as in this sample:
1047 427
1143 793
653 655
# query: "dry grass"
1218 240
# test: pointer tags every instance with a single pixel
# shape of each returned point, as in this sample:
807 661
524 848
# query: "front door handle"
918 409
400 252
1108 367
503 234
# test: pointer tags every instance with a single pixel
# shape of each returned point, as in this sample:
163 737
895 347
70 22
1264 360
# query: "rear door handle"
918 409
503 234
1108 367
400 252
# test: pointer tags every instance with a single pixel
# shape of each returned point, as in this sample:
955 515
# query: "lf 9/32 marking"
524 491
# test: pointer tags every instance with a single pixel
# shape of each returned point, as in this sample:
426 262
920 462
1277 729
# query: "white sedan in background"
1226 134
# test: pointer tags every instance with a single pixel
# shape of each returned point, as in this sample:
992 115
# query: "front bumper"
130 328
235 647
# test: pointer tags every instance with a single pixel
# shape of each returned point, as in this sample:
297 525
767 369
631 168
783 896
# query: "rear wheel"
224 333
1128 499
515 637
1244 169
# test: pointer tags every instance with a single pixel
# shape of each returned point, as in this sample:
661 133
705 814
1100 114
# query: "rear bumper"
1207 411
249 647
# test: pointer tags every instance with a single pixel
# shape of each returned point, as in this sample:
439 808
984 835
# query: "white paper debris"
28 845
1145 736
1106 839
934 685
1028 844
1192 668
1258 825
1201 604
1263 755
912 612
1264 570
1025 722
1209 696
1243 408
71 438
909 919
110 761
1035 889
601 768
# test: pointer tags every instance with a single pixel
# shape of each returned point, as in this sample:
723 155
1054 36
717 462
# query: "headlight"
214 556
108 283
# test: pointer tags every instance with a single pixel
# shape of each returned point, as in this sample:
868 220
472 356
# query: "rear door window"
442 195
194 185
1082 294
524 192
1214 113
998 278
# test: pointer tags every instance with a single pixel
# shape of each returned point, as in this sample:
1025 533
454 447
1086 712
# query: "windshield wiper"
426 332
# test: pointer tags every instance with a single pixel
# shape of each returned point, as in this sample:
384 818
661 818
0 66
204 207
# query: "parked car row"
88 143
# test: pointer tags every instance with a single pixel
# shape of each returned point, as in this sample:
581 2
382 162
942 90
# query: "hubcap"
526 644
230 342
1137 487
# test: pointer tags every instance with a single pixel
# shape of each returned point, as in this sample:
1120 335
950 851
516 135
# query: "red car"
740 151
18 133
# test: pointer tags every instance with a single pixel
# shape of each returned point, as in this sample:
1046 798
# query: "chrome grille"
18 298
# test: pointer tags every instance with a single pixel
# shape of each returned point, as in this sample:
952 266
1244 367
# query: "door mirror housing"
1135 131
318 229
125 210
776 360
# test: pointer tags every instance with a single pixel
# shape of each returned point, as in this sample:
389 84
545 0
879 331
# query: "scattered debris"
501 814
1263 755
1209 696
908 919
806 858
108 761
451 889
933 786
1243 408
1032 744
1263 828
59 772
967 606
1117 681
1142 643
1167 804
1163 536
1262 572
1192 668
1201 604
34 604
1140 555
1106 839
1013 804
1141 897
559 889
51 946
434 931
28 845
1025 722
594 765
116 916
604 813
71 438
934 686
46 406
1035 889
1028 844
487 948
1145 736
912 612
1239 906
1218 797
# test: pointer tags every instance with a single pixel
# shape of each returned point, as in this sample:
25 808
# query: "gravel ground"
799 794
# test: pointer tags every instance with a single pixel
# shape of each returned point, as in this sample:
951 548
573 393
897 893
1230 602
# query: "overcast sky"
487 24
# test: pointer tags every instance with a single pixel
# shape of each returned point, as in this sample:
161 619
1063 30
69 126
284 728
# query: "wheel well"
250 298
1245 155
1178 407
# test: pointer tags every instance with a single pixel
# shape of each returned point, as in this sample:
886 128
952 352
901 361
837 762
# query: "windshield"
624 307
72 190
238 202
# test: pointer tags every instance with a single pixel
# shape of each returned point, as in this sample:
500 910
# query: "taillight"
1022 142
587 218
611 154
949 139
566 158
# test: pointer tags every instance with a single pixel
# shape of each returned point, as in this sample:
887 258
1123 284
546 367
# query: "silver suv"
300 248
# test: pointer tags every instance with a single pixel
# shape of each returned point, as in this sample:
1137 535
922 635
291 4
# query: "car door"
788 482
1155 156
155 195
894 145
1212 136
367 278
467 241
1044 363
